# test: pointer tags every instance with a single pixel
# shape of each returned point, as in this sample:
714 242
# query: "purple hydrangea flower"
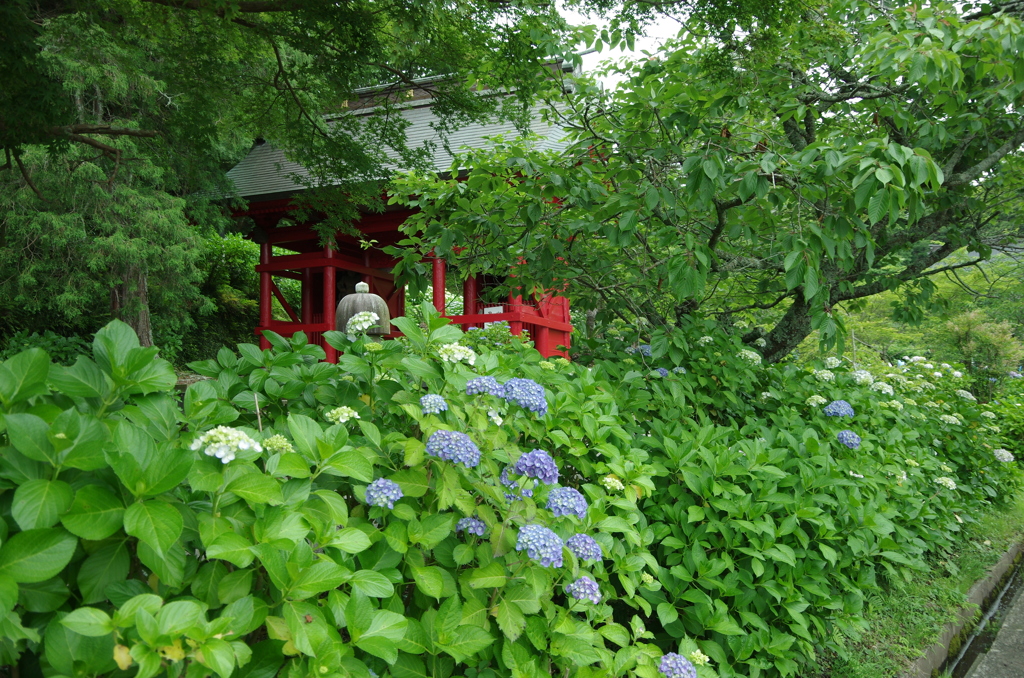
488 385
517 493
383 492
662 371
838 408
645 350
453 446
676 666
849 438
564 501
433 404
471 526
585 588
526 393
537 464
584 547
541 544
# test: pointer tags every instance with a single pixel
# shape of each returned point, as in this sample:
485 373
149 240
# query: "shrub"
333 520
61 349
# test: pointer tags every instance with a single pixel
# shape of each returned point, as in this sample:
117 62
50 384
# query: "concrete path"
1005 659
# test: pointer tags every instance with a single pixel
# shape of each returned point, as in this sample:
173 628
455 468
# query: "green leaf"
36 555
88 621
386 624
156 523
257 488
96 513
317 578
179 616
429 580
305 433
667 613
28 435
83 379
351 540
107 565
468 641
510 619
40 503
24 376
233 548
350 464
372 584
216 654
491 575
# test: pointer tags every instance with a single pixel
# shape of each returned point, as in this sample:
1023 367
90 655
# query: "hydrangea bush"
291 517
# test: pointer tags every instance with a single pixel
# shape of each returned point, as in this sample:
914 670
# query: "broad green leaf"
468 641
107 565
88 621
510 619
96 513
156 523
350 464
350 540
371 584
83 379
217 655
24 376
36 555
28 435
40 503
233 548
491 575
429 580
257 488
179 616
317 578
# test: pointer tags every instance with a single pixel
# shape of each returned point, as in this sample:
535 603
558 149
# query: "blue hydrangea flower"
679 369
526 491
676 666
526 393
383 492
585 588
537 464
433 404
564 501
849 438
645 350
488 385
662 371
453 446
471 526
541 544
838 408
584 547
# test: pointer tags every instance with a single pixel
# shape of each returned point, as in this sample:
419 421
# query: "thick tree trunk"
129 302
788 332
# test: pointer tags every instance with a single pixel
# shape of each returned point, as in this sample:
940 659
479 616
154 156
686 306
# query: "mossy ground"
909 615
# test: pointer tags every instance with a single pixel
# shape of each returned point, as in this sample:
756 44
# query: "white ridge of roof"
266 170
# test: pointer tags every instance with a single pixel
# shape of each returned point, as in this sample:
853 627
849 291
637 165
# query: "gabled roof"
266 170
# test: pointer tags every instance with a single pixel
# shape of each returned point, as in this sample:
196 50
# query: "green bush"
142 535
62 350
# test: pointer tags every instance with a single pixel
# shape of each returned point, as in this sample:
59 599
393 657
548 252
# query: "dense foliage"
795 169
424 510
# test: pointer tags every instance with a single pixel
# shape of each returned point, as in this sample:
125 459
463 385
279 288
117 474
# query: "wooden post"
266 293
469 297
439 283
307 295
330 304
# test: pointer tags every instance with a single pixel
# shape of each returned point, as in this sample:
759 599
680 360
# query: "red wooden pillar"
307 295
330 304
469 296
266 293
542 341
439 283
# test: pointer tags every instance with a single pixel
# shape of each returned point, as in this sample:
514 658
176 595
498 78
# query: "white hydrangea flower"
917 359
340 415
911 462
928 366
765 395
862 377
824 375
224 443
937 374
895 404
494 417
948 483
832 362
856 475
931 403
1002 455
612 483
910 401
945 418
760 342
704 341
966 395
455 353
994 428
278 444
926 386
988 415
750 356
882 387
945 469
816 401
361 322
698 658
957 374
945 366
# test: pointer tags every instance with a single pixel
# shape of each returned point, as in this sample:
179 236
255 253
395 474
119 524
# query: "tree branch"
28 178
995 156
245 7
